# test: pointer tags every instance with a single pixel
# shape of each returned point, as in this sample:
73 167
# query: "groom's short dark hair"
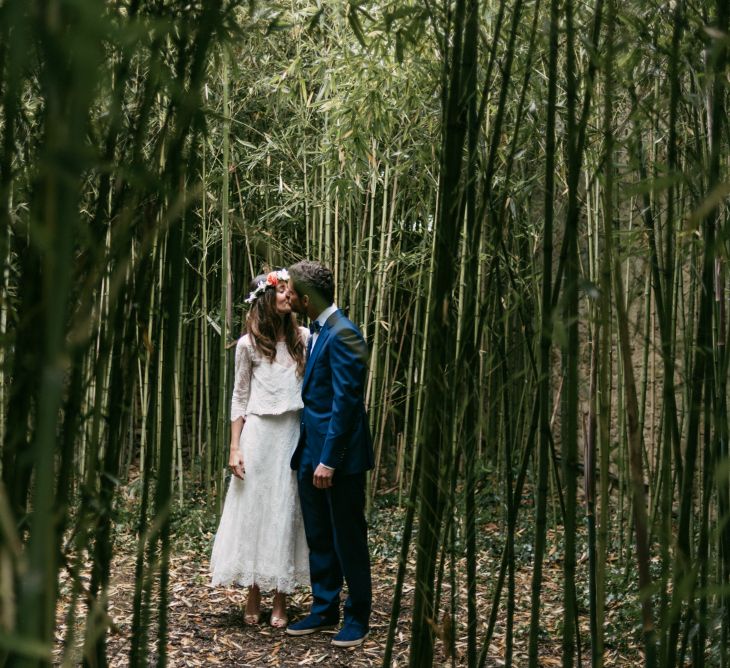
312 277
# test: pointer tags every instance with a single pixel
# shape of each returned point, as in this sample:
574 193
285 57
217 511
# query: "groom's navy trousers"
335 432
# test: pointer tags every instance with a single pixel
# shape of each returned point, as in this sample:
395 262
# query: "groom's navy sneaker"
350 635
311 624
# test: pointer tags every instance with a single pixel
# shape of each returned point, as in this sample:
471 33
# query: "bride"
260 542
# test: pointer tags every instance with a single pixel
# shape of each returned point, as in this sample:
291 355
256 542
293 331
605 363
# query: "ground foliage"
206 627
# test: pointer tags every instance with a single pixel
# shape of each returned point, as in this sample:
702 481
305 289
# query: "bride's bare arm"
235 460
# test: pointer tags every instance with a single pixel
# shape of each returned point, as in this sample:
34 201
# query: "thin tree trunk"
437 430
545 340
634 428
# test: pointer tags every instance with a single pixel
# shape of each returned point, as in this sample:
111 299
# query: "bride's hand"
235 463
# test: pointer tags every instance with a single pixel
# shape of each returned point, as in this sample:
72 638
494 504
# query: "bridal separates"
260 539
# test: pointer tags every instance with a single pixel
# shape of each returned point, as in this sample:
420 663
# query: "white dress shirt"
321 319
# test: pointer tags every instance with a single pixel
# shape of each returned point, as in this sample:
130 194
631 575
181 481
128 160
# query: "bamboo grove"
525 205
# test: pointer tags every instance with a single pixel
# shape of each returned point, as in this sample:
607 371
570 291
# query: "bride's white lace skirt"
260 539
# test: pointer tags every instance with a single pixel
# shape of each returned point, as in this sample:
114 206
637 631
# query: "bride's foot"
252 613
278 615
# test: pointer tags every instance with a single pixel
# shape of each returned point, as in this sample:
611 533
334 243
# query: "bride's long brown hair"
264 323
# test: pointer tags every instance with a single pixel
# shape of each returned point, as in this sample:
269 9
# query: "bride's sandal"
252 617
278 620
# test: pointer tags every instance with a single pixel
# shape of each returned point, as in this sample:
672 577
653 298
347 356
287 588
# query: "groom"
331 459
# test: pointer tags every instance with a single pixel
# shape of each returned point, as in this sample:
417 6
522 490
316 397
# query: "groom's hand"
323 477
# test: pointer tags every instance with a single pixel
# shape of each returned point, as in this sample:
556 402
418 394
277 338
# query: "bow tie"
314 327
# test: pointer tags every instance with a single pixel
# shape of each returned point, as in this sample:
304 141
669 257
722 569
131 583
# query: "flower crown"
271 281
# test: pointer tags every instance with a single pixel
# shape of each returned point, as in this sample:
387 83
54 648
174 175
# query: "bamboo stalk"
637 482
546 327
218 446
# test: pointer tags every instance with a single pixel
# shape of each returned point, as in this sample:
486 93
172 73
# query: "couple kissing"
294 514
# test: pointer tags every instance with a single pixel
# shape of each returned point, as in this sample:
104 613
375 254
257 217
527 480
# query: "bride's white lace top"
262 387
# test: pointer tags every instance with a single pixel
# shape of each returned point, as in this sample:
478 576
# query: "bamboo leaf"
722 471
277 24
315 20
655 185
709 204
399 46
214 324
353 10
28 647
7 525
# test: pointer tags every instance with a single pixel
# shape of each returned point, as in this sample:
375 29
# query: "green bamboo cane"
16 470
633 427
507 564
11 66
527 454
604 426
336 257
178 405
205 356
57 214
307 205
118 402
196 408
664 317
159 389
223 359
323 238
64 489
170 305
589 459
706 356
468 337
387 221
721 361
410 371
370 240
437 432
545 341
570 350
327 215
145 546
415 479
402 560
372 383
4 309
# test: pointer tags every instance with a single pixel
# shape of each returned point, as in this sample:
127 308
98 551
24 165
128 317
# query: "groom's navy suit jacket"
335 433
334 423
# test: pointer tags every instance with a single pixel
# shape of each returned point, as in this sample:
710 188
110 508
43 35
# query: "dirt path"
206 627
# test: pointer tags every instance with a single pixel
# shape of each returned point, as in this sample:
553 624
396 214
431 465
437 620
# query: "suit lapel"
324 334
